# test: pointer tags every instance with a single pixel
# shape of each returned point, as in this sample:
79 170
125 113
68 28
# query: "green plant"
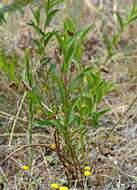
122 24
73 93
9 7
43 35
76 91
8 65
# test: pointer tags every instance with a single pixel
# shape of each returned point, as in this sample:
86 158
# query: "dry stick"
124 114
34 145
42 187
24 135
17 114
4 114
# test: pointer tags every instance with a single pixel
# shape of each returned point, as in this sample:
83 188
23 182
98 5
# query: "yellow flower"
63 188
26 168
87 168
54 186
53 146
87 173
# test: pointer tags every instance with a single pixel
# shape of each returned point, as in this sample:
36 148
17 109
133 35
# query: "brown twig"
124 114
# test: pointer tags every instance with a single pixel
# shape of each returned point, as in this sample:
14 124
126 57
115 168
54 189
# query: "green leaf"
61 43
69 26
51 4
39 45
74 83
37 28
133 10
70 115
84 32
50 16
47 6
43 123
28 73
133 13
33 97
16 6
48 123
68 58
98 115
78 52
12 70
36 15
5 64
99 92
80 35
119 20
47 37
131 19
55 2
60 85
